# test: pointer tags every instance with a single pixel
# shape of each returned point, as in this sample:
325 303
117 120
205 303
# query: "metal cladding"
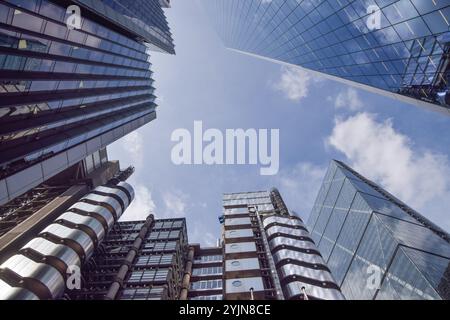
40 269
300 266
14 293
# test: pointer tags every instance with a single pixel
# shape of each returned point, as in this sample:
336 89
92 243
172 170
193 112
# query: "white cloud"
420 178
200 235
141 206
300 185
175 203
295 83
348 99
133 144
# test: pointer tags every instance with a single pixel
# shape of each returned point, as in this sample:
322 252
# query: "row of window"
106 38
159 246
56 85
251 201
210 297
155 293
29 64
23 41
207 284
165 259
148 276
57 105
207 271
209 258
245 195
148 248
95 160
168 224
73 137
150 17
164 235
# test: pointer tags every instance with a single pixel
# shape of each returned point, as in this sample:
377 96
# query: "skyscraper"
375 245
22 218
269 253
74 77
138 260
397 48
60 245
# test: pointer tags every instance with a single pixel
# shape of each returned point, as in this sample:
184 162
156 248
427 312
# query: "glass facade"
375 245
149 17
397 46
70 92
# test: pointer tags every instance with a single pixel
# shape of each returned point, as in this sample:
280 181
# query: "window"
148 276
207 271
210 297
164 235
103 156
168 224
89 163
209 258
154 260
207 285
160 246
154 293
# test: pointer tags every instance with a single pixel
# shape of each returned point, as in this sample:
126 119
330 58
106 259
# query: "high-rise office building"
71 222
375 245
74 77
269 253
138 260
45 250
23 217
205 274
398 48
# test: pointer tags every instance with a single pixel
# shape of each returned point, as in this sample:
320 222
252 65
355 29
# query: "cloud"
299 186
348 99
420 178
133 144
141 206
200 235
175 203
295 83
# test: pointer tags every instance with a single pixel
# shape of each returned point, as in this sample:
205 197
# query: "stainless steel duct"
300 266
39 270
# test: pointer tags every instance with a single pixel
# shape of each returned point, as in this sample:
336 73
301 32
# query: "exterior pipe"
187 275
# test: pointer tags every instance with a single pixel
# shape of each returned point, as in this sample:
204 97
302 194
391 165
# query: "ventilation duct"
39 270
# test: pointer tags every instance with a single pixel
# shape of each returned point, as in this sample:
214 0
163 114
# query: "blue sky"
402 147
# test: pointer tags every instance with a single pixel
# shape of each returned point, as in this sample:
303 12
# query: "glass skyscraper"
394 47
72 82
376 246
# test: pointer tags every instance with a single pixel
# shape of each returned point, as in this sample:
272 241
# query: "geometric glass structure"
396 48
375 245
